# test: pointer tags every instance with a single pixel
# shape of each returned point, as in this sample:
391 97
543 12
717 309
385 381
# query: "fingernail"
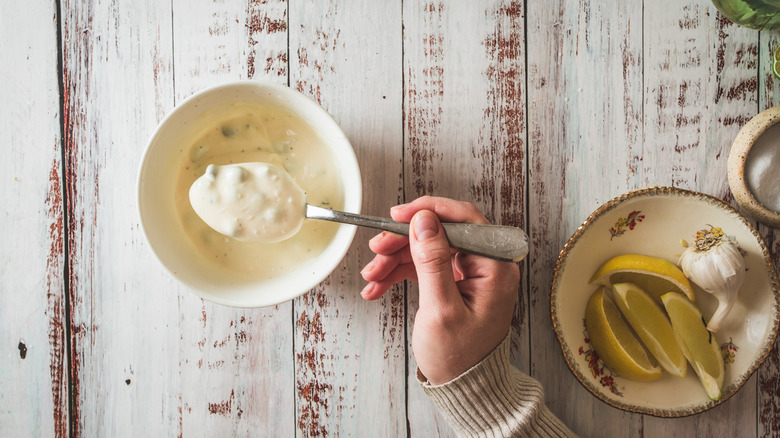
397 207
425 226
366 290
378 237
369 267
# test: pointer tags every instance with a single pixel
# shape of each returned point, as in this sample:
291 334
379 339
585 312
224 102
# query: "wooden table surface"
536 111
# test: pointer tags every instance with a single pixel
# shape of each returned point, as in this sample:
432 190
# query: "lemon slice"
648 320
776 63
697 343
653 275
614 342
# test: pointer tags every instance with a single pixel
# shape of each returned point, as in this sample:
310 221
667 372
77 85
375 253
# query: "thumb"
432 260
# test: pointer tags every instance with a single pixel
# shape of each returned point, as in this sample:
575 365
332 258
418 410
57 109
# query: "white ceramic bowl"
157 179
653 221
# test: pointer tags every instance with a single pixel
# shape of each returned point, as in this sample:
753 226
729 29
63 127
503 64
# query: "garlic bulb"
715 263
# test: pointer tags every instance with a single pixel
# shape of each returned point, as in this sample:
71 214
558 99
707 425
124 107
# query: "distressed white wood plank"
236 365
768 378
695 55
700 88
123 307
425 45
585 133
33 373
350 354
464 73
219 41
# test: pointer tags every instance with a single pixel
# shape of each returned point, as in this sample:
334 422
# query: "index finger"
388 243
448 210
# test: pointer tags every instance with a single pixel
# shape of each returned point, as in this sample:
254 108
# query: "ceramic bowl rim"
740 150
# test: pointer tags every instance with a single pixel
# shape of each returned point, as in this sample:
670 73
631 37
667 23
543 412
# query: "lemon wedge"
776 63
654 275
652 326
616 345
698 344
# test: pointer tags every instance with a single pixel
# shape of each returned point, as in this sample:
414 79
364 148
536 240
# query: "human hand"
466 301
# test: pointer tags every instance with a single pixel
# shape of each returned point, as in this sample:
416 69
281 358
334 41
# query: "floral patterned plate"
654 221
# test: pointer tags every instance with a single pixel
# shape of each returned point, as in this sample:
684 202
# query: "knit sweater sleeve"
495 399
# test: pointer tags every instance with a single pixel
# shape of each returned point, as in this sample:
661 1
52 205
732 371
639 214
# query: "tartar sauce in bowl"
228 126
252 202
276 140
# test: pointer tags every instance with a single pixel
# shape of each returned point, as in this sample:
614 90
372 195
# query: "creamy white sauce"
250 133
253 202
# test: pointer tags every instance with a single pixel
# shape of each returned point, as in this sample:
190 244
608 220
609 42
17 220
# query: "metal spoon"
508 244
245 201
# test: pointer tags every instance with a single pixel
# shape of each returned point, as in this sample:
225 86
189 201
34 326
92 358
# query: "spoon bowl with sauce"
251 202
259 202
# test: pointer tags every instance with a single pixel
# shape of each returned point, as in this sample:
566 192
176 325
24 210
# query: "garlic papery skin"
715 263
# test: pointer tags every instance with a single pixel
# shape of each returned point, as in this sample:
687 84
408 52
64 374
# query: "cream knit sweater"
495 399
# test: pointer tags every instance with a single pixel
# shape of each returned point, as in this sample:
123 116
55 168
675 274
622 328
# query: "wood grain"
349 353
33 373
538 112
425 45
464 72
116 87
708 59
585 133
694 55
235 366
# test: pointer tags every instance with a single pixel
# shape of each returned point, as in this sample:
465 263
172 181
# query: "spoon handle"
509 244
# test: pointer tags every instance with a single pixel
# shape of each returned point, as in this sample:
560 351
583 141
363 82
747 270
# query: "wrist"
451 367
